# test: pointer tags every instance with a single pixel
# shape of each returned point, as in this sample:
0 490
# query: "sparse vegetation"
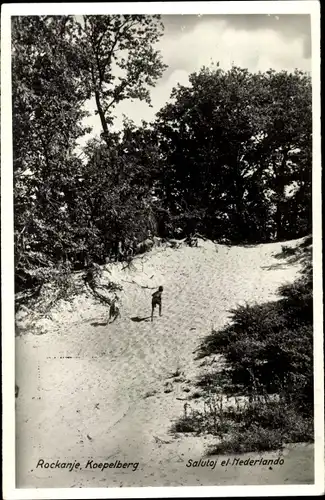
179 379
149 394
59 284
196 395
177 373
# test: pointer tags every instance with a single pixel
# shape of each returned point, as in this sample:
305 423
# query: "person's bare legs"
152 310
116 316
159 309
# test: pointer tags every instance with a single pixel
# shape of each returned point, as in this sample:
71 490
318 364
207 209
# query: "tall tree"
234 142
206 136
285 149
118 60
120 184
47 112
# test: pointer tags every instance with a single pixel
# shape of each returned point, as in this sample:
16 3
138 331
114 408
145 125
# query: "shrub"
268 350
255 439
189 423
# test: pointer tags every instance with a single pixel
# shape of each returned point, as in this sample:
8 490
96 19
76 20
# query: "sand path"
85 386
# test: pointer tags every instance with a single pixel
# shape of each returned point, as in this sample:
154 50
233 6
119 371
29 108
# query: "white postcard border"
7 254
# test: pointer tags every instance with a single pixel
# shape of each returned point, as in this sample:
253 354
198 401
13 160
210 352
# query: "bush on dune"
264 426
268 350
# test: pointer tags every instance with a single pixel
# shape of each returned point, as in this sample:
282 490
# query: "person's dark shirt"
156 297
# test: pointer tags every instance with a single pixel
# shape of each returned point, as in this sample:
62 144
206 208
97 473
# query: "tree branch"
96 48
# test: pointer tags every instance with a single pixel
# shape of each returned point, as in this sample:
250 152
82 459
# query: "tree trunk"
280 173
239 202
102 117
278 220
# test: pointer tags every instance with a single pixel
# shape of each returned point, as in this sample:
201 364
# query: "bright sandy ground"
85 386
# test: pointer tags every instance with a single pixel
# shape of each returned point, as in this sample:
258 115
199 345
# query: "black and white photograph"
161 234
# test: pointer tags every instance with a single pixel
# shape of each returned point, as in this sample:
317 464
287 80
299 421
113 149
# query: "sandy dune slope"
95 391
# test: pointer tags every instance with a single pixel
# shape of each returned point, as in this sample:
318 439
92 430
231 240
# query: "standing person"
156 300
114 310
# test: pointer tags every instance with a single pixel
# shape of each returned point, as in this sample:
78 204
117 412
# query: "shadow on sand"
137 319
298 254
99 324
275 266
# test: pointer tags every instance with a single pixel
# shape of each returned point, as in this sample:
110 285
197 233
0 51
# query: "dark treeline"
229 156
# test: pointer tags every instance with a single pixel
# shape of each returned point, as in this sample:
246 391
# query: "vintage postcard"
161 250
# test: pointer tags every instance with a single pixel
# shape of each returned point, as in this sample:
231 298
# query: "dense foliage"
47 115
68 210
229 156
235 143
